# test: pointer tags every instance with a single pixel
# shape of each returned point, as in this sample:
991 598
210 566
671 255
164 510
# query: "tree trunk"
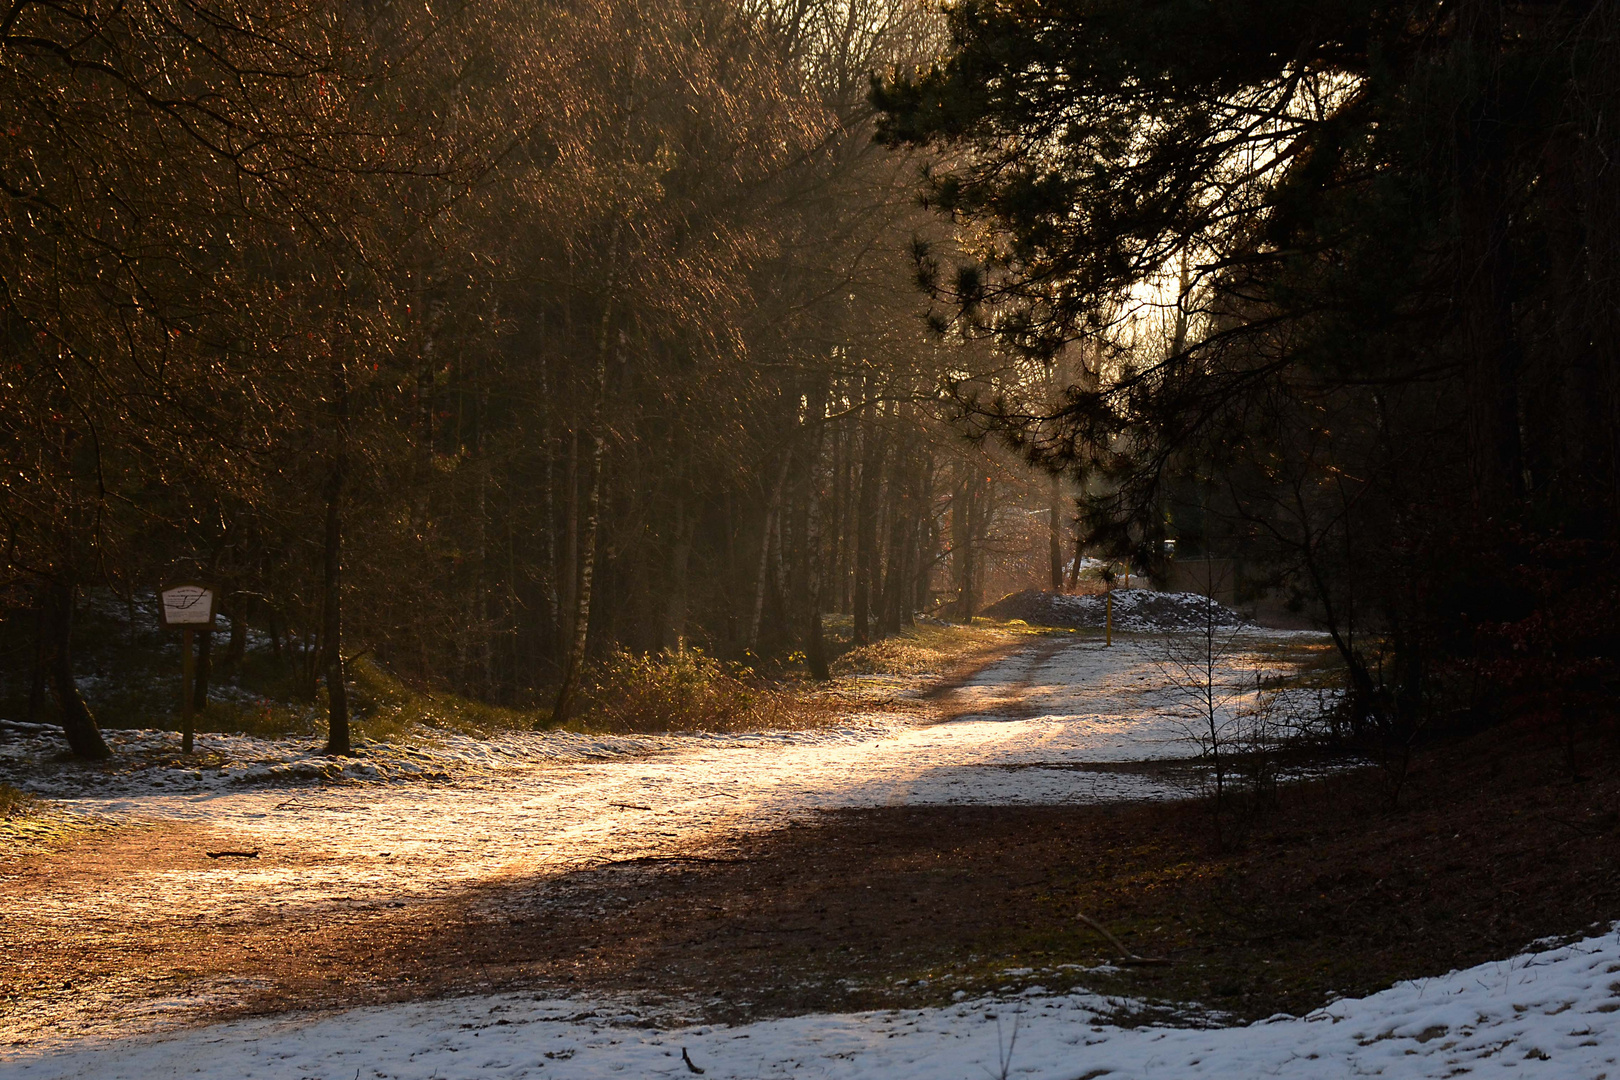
78 723
815 652
897 571
815 646
1485 271
36 680
236 650
337 732
761 576
1054 535
841 484
205 649
928 538
553 593
273 617
866 528
574 664
964 543
568 574
680 558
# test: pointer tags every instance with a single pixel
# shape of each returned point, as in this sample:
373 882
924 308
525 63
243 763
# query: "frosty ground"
1542 1014
1065 721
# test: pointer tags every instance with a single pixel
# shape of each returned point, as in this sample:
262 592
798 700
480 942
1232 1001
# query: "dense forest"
483 339
489 339
1386 236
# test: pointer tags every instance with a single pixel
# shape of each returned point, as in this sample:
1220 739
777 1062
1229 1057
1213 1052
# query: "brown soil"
1332 891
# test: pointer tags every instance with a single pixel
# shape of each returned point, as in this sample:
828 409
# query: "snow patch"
1135 610
1540 1014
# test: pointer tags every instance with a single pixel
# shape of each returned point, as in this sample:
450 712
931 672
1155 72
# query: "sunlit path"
1028 728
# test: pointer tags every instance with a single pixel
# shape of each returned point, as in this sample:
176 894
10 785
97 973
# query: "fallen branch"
1129 959
689 1064
629 806
254 854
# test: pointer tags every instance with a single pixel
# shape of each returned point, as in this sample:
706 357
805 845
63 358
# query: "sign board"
188 605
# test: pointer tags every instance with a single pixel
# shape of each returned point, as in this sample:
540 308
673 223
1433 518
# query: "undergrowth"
14 802
386 709
925 648
688 690
131 679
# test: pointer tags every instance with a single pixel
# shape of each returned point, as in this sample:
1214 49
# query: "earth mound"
1134 610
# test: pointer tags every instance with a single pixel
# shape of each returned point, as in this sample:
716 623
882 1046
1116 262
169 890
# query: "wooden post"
185 607
188 675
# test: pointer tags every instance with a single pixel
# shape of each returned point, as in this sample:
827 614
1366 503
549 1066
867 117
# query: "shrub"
677 691
15 802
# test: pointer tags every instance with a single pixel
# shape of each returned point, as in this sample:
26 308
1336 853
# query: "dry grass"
690 691
16 803
387 710
929 648
628 693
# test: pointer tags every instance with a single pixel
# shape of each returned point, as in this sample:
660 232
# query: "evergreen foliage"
1337 284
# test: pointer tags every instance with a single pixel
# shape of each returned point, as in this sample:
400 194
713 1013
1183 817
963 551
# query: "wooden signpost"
187 606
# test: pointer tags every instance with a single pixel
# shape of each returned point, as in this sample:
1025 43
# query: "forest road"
1057 723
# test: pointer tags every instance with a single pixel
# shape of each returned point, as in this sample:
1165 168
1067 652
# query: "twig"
689 1064
254 854
1129 959
630 806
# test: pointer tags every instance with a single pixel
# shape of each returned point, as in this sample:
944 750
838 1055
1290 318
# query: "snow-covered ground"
1129 610
1059 723
1546 1014
417 822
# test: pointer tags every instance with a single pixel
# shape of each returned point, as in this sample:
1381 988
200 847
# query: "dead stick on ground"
629 806
1127 956
232 854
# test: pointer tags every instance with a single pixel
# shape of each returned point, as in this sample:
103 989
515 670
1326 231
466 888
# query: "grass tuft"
16 803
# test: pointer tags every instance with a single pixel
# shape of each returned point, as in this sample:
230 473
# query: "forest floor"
936 853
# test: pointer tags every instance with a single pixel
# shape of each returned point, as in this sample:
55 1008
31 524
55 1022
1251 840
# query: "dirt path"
365 891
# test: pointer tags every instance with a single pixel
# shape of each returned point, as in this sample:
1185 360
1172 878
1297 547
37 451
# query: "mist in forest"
489 343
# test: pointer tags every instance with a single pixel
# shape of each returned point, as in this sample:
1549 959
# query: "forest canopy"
1386 238
482 339
494 340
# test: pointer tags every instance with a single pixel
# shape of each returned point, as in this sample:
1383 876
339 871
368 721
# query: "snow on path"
1029 725
528 806
1547 1014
